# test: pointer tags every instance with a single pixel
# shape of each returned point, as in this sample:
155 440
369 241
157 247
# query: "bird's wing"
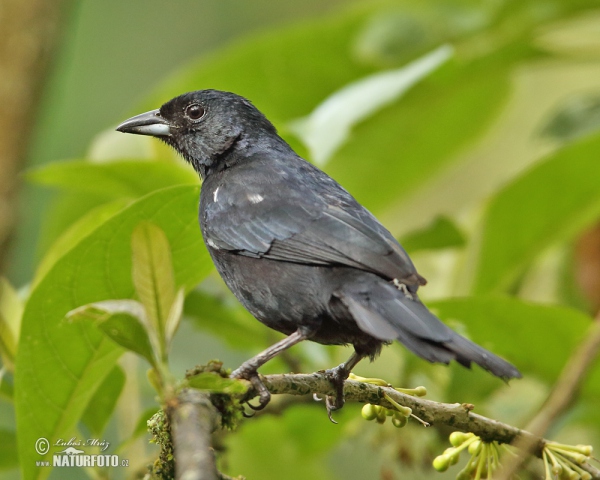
315 223
347 237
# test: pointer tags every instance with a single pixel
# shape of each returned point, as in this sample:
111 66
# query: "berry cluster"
484 456
399 413
564 461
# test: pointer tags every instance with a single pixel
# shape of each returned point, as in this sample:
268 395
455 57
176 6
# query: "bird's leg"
248 369
337 376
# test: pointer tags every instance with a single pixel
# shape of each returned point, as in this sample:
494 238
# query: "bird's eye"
194 111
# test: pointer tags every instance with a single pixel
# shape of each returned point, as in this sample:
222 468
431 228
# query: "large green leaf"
407 144
11 312
288 78
221 316
153 277
85 185
400 147
299 440
70 237
98 412
9 457
329 125
59 364
537 339
125 322
550 203
441 233
114 179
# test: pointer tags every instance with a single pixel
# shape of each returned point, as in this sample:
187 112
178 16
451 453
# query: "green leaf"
153 277
114 179
123 321
141 427
59 364
215 383
98 412
537 339
577 117
174 318
11 311
329 124
75 233
550 203
224 317
252 449
7 391
291 86
442 233
393 149
86 185
408 144
9 457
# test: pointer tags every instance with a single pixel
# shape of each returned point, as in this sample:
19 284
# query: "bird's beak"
149 123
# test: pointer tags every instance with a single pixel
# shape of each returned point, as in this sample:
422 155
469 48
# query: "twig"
192 418
562 395
458 416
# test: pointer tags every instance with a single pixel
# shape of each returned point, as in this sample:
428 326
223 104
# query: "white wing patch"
215 193
255 197
212 244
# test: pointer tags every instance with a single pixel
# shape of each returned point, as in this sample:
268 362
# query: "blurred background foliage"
486 169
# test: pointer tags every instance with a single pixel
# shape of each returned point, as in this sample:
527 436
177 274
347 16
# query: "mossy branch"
193 418
458 416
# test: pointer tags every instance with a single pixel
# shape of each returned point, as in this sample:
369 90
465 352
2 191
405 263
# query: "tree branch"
458 416
192 418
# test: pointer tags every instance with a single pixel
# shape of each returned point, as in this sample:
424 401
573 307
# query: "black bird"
297 250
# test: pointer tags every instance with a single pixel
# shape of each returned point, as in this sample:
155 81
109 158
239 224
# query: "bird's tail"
387 313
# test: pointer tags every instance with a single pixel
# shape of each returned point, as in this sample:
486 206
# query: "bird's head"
207 127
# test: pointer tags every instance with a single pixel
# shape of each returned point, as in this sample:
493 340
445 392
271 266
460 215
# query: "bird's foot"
264 396
337 376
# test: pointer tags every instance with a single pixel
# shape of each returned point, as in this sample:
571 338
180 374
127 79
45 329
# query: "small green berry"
399 421
464 475
441 463
585 450
420 391
369 412
406 411
381 415
557 470
458 438
475 447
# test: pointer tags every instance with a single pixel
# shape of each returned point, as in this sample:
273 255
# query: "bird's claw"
337 376
264 396
330 409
